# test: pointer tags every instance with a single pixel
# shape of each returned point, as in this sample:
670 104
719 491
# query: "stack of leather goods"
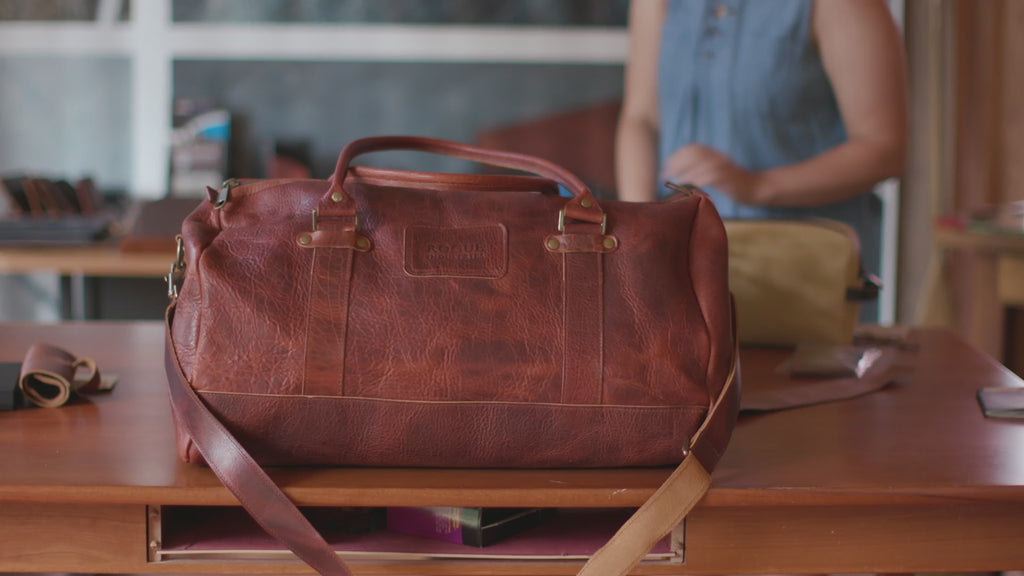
42 211
151 225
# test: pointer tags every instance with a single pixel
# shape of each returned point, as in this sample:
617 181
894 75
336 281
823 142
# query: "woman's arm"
636 139
863 56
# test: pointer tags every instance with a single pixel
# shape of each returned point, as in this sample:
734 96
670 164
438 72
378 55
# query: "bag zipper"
224 192
684 189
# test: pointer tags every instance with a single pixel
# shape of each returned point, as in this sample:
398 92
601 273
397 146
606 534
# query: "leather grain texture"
458 338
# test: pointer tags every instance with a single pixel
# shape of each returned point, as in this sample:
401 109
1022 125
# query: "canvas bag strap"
279 517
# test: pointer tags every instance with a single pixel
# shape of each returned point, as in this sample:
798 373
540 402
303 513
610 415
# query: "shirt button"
708 55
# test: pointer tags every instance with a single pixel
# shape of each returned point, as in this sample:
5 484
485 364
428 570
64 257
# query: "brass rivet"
586 203
609 242
337 196
305 239
362 243
553 243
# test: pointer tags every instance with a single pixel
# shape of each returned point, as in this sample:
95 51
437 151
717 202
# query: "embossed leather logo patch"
474 252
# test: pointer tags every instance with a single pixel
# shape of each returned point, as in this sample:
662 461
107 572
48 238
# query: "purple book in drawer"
470 526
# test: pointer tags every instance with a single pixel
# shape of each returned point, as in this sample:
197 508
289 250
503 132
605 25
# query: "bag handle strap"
336 202
279 517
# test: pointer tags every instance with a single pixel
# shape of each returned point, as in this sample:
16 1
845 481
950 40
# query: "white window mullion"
151 97
108 12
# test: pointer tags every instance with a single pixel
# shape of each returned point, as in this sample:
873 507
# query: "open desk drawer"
226 534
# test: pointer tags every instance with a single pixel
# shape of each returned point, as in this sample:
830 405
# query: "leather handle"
582 206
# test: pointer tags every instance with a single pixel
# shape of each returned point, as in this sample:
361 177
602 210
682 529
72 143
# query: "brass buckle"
561 221
177 273
316 220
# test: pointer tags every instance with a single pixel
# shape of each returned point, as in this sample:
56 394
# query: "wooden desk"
81 263
101 260
908 479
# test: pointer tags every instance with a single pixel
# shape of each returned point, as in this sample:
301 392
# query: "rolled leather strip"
49 376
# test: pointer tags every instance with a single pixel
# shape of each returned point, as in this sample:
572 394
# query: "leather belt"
50 376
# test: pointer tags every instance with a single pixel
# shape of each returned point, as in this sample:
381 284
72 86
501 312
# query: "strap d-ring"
177 273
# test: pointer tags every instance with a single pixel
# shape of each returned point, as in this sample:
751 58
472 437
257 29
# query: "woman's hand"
703 166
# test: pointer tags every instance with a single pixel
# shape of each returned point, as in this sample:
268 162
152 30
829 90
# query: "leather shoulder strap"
280 518
670 504
242 476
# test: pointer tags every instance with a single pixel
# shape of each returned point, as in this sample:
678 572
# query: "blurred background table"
99 281
994 287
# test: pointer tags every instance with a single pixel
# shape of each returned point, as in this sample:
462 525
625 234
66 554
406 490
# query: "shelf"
67 39
323 42
407 43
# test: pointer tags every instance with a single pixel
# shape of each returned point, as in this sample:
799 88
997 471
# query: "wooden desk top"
916 442
99 260
994 241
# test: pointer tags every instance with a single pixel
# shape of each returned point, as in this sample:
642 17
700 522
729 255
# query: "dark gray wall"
547 12
330 104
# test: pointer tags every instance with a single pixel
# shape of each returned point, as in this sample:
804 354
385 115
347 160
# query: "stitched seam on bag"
565 330
268 185
259 187
192 453
700 303
343 353
687 407
200 284
309 304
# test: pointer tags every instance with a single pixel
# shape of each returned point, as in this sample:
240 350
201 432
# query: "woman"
777 108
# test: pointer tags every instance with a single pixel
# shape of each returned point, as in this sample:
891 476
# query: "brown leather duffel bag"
396 318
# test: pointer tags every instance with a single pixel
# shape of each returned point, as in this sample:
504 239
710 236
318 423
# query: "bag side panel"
709 266
656 344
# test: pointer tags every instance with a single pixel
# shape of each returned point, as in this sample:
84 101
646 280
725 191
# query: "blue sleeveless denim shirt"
744 77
